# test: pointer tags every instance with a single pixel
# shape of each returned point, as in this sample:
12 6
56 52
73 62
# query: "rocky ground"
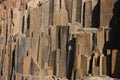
98 78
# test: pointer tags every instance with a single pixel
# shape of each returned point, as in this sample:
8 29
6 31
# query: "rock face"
59 39
98 78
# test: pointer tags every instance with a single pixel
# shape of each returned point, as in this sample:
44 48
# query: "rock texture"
59 39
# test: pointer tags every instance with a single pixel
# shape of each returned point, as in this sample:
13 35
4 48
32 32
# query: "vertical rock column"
88 14
63 37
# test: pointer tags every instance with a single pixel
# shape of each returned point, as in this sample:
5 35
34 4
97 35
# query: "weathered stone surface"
63 14
17 22
35 20
27 65
104 66
100 40
88 14
96 63
63 53
85 43
56 13
74 11
115 63
85 63
18 76
45 15
69 39
98 78
106 9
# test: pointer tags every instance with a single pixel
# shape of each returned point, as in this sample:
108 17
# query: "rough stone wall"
59 39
